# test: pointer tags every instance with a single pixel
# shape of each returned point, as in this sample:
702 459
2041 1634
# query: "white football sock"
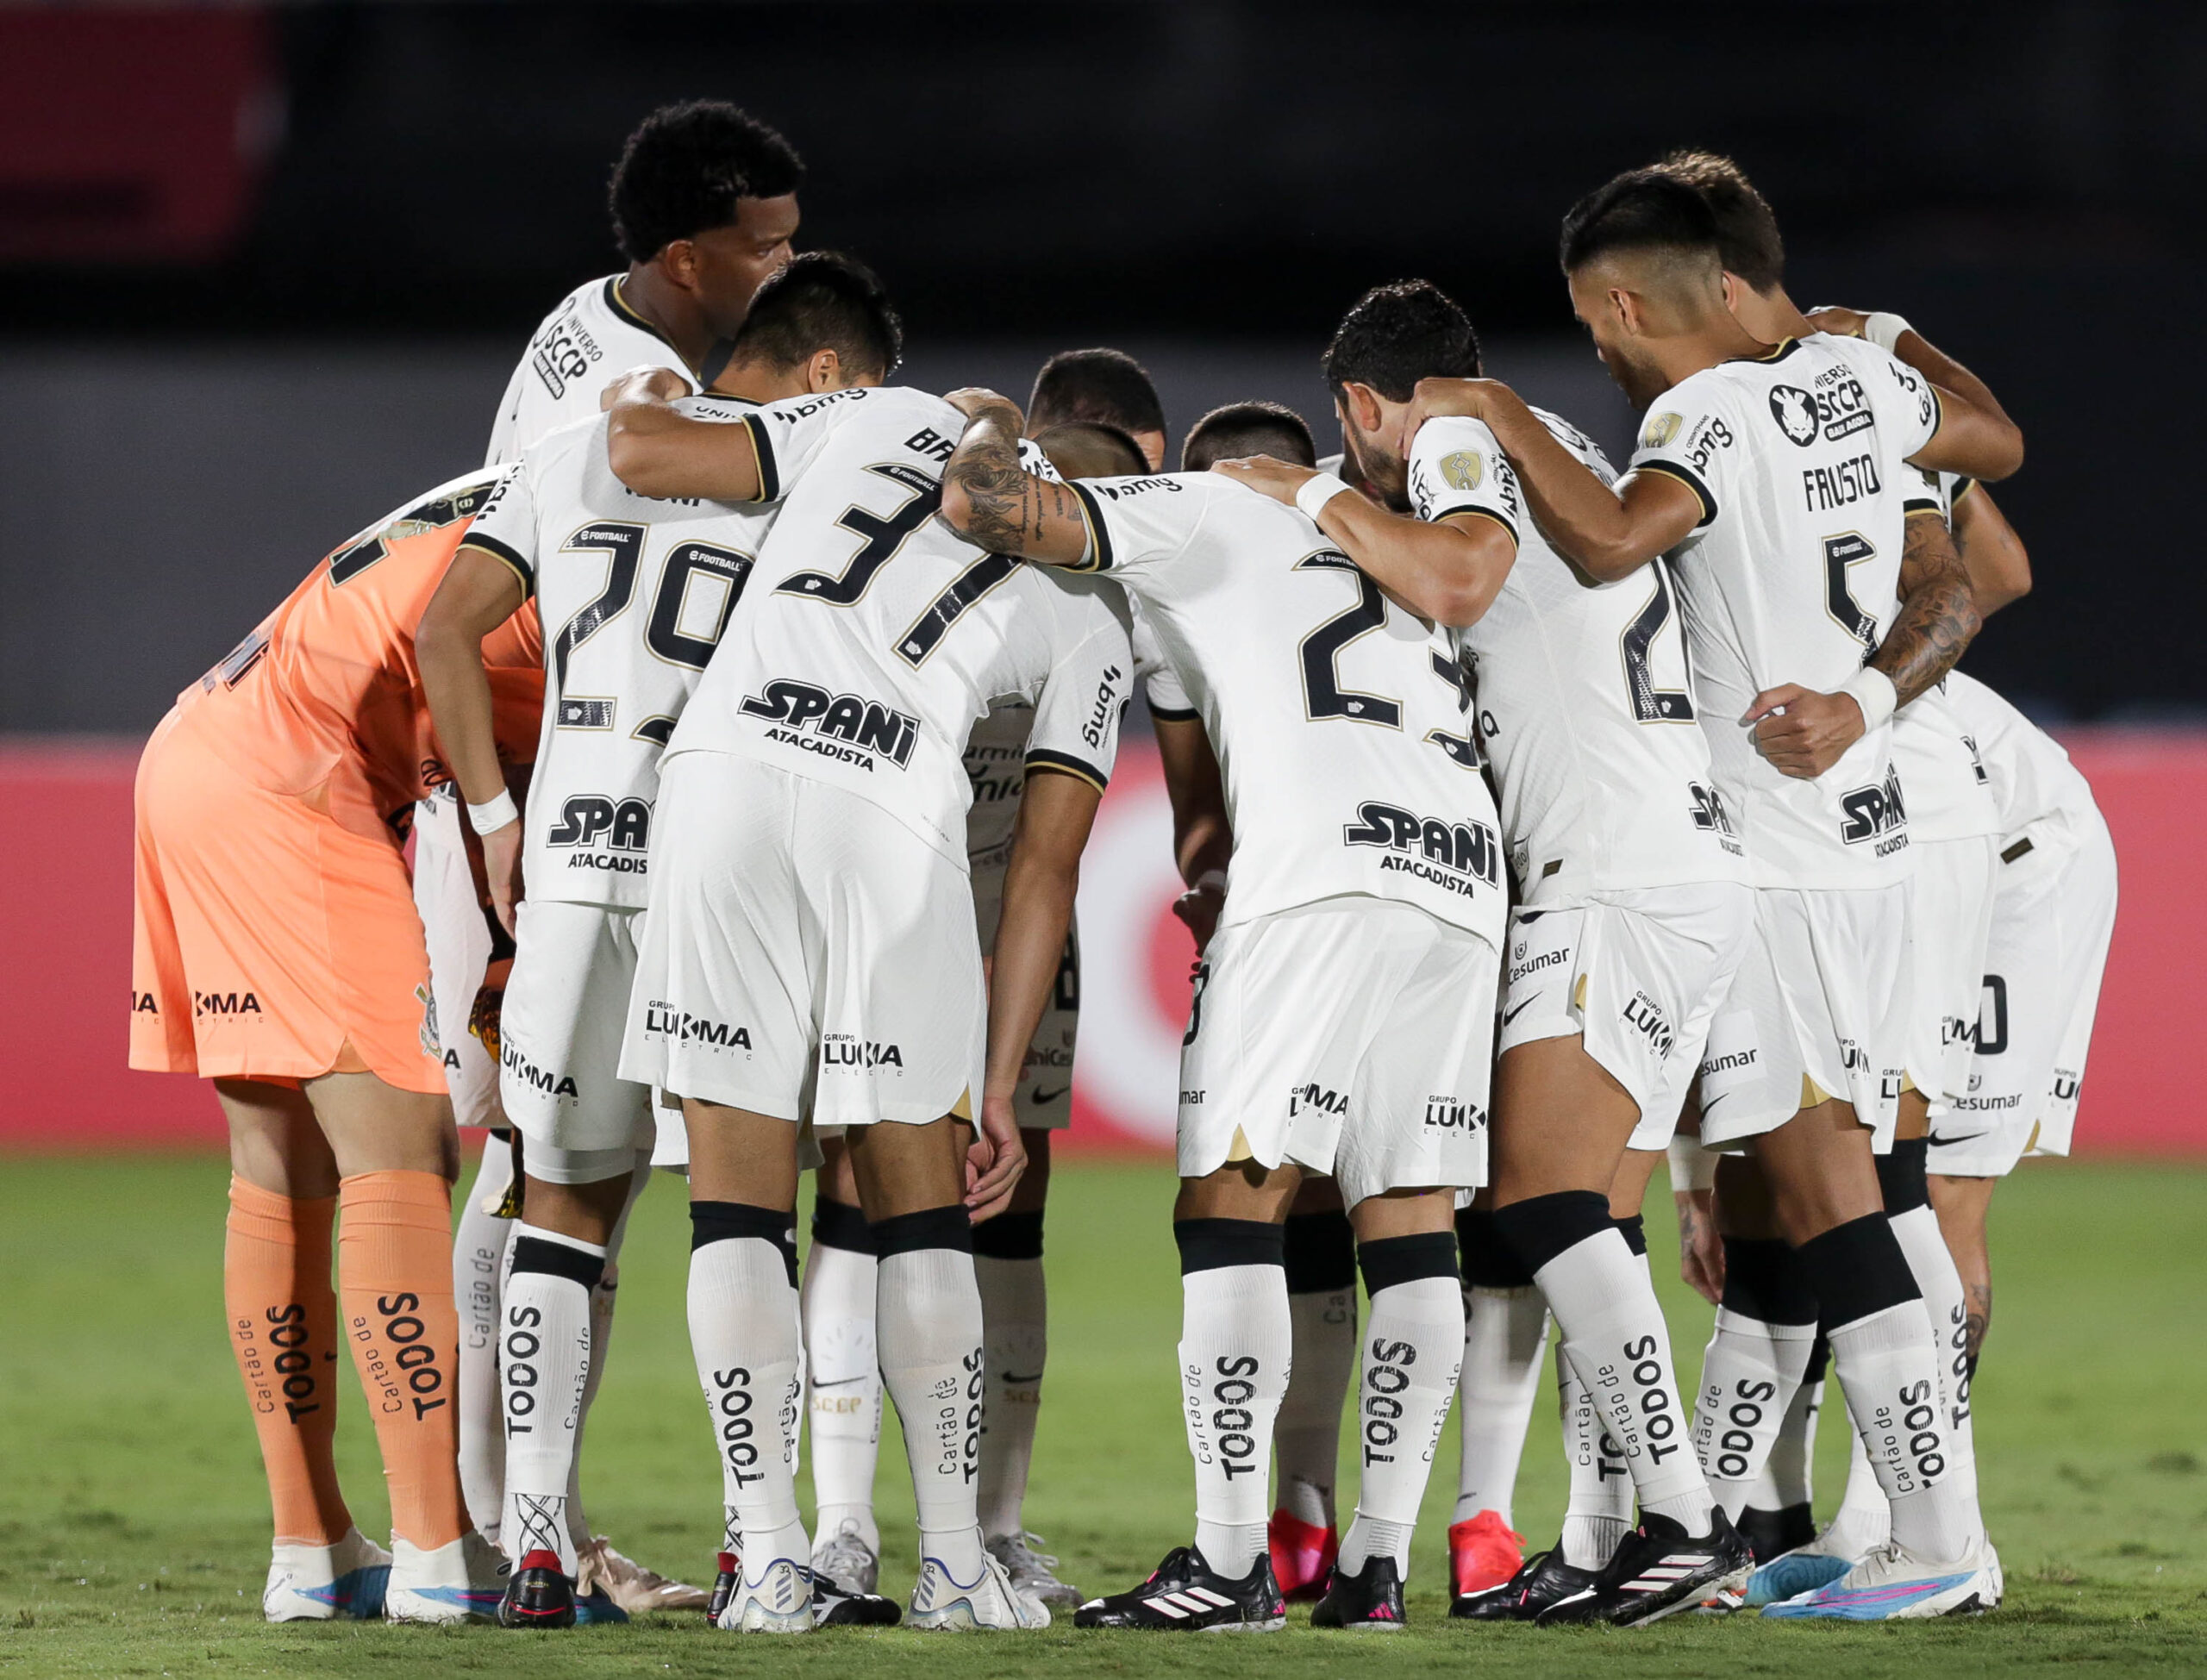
928 1328
1413 1354
601 1341
1235 1345
1749 1375
1505 1342
1015 1321
743 1333
1889 1373
1600 1507
1945 1305
845 1403
479 1264
1307 1434
1788 1477
1616 1338
545 1356
1864 1520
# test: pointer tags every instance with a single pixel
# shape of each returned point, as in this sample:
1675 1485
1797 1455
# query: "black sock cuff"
1208 1244
1010 1237
930 1227
840 1225
1388 1261
1766 1280
728 1221
1635 1232
1901 1176
1858 1269
558 1259
1490 1262
1320 1251
1543 1227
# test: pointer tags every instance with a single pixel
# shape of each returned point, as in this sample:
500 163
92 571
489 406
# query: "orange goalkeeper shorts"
269 942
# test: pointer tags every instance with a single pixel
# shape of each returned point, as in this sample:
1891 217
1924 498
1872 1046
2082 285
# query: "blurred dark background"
263 272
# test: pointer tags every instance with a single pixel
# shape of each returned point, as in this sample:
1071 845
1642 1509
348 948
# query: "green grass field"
133 1525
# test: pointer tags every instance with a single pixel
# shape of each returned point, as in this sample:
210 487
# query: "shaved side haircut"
1248 428
1747 228
1089 449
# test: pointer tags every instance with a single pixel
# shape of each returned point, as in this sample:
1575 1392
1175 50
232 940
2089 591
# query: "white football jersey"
1341 721
1585 709
873 636
995 768
577 351
1799 461
635 595
1940 773
2030 777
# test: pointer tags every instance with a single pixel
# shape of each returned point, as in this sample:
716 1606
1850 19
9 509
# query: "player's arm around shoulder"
1970 432
1607 532
994 502
1999 565
658 451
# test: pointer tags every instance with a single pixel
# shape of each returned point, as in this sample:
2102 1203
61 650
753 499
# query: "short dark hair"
822 300
1100 385
1642 210
1746 229
686 166
1395 336
1236 429
1090 449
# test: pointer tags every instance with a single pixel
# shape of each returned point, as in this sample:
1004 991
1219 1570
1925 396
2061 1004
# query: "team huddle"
749 714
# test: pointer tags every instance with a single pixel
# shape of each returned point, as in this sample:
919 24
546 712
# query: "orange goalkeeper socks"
283 1316
394 1254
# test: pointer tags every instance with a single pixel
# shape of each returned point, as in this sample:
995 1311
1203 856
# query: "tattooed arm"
992 501
1938 611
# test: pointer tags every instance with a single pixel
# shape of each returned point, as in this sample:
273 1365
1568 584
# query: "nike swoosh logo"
1008 1377
1509 1015
1944 1143
840 1382
1042 1095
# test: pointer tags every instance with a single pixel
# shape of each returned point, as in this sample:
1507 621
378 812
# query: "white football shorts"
1950 919
1354 1037
805 954
559 1044
2053 916
1043 1102
1637 976
1819 1009
459 937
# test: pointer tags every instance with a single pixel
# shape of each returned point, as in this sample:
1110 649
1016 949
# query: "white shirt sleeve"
507 525
1457 466
1084 695
788 435
1137 524
1689 436
1906 401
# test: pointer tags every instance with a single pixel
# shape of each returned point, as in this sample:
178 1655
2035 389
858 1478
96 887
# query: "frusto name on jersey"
867 727
624 825
1458 856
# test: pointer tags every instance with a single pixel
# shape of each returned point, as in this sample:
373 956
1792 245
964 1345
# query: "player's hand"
1470 398
995 1159
972 400
1802 732
1840 323
1701 1250
1199 908
502 869
1268 476
646 385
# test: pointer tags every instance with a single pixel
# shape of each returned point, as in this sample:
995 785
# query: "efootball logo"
1795 411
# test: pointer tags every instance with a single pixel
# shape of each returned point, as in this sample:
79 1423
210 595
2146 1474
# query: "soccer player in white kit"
1632 910
810 949
639 594
1342 1018
703 203
1775 477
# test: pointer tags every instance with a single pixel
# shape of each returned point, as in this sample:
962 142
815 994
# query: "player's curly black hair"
1642 210
1101 384
686 166
1746 227
1395 336
822 300
1237 429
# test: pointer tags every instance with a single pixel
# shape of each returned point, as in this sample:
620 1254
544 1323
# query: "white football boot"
343 1581
1893 1585
1034 1571
778 1600
461 1581
845 1558
629 1583
988 1603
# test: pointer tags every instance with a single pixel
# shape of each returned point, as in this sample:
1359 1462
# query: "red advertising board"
64 927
